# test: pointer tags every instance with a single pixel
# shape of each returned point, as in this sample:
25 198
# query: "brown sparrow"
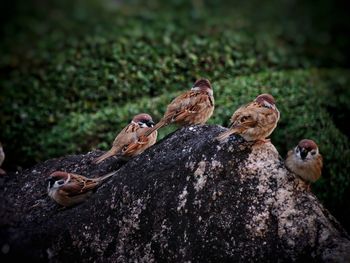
2 158
192 107
305 161
254 121
131 141
69 189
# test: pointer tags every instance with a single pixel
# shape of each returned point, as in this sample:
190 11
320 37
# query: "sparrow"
69 189
132 141
305 161
254 121
192 107
2 158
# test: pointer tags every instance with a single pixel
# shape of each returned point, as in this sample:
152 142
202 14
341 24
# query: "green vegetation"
73 73
303 98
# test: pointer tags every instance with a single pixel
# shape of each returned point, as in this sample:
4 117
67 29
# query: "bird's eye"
313 152
244 118
60 182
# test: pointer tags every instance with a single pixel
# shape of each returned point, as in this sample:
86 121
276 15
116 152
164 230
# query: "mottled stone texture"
188 198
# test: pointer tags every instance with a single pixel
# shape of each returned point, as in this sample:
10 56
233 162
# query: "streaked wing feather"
126 136
191 102
135 146
79 184
71 189
237 114
239 128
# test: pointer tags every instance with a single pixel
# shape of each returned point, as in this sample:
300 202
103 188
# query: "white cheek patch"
311 156
296 152
195 89
210 91
56 184
143 125
298 157
268 105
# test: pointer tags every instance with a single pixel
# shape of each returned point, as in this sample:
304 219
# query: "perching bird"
132 141
254 121
2 158
305 161
69 189
192 107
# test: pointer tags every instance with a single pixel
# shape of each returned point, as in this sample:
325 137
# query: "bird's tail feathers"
103 157
159 125
223 136
106 176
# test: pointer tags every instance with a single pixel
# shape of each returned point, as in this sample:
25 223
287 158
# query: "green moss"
77 57
79 132
73 73
302 97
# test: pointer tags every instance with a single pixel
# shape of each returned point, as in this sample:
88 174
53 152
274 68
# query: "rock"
186 199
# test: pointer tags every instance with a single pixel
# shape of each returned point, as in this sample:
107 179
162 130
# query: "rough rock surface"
187 199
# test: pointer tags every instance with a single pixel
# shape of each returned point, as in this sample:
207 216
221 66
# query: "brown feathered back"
192 107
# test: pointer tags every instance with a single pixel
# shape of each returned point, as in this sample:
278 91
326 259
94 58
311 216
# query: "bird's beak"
303 153
150 123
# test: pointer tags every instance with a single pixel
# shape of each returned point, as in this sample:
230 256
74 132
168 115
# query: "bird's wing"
191 102
125 137
78 184
244 119
136 146
236 115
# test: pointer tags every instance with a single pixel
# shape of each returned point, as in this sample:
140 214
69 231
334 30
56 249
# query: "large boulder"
186 199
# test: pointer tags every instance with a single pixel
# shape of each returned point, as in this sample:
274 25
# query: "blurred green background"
73 73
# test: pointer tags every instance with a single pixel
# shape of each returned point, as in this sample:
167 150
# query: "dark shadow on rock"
187 198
